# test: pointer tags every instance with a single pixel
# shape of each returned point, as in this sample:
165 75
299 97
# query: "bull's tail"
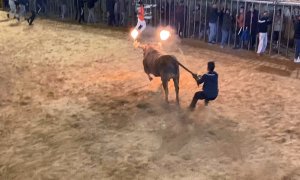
185 68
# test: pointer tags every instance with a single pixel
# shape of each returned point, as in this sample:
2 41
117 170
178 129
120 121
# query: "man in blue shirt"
210 86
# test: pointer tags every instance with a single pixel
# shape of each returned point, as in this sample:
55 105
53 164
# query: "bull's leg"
165 85
176 85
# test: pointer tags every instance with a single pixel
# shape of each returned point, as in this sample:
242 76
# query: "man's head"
211 66
265 14
242 9
278 13
141 3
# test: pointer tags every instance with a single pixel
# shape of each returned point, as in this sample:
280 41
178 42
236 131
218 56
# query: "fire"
164 35
134 33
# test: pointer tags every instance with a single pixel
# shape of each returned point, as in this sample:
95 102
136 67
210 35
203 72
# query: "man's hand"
196 77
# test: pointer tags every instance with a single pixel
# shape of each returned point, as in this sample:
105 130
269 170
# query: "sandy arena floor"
76 104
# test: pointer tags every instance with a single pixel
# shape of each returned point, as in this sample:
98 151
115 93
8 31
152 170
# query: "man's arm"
201 80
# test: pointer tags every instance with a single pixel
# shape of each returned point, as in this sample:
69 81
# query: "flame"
134 34
164 35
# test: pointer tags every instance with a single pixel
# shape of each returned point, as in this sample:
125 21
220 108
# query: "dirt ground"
76 104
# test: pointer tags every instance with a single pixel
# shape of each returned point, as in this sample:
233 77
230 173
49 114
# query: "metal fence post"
272 31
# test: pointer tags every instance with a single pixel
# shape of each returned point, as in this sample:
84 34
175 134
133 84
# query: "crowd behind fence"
190 18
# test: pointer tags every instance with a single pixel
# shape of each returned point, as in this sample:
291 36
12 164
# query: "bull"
162 65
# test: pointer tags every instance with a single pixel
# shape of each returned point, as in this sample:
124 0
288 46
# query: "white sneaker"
295 60
298 60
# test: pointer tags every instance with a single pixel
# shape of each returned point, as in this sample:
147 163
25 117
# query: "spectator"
226 26
196 19
212 22
91 6
251 21
263 32
165 12
210 86
122 11
22 6
297 39
179 17
81 10
110 5
63 9
31 18
117 12
277 27
76 7
239 28
219 24
13 9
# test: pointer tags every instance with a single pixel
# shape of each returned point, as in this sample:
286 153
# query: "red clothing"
141 13
240 21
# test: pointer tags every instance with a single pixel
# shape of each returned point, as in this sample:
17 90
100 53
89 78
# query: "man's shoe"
295 60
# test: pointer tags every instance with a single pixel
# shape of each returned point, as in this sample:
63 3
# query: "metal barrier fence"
191 18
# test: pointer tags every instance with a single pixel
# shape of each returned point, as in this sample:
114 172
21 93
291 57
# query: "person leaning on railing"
251 22
239 28
277 28
297 39
212 22
226 26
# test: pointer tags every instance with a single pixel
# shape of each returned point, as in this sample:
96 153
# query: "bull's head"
141 46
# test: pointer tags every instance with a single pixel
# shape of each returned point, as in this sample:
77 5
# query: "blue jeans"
212 32
297 53
225 34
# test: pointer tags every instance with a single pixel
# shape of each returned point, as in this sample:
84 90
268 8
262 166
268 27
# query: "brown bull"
161 65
